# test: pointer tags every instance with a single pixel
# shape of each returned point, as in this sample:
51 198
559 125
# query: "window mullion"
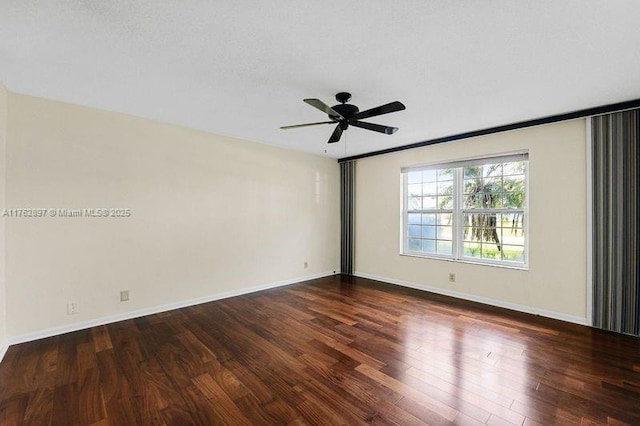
457 215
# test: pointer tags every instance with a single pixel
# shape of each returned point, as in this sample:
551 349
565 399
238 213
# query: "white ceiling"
242 67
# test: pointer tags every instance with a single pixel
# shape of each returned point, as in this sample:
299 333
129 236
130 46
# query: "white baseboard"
473 298
148 311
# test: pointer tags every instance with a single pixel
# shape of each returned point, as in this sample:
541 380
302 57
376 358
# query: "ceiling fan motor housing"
345 110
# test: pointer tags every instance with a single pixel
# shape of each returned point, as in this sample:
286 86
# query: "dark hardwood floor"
336 350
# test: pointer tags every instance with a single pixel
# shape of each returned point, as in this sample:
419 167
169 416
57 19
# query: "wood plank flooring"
337 350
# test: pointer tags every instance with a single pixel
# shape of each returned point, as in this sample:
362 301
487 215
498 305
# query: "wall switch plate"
124 295
72 308
452 277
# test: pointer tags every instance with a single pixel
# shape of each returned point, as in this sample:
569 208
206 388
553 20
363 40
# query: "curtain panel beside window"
347 216
615 152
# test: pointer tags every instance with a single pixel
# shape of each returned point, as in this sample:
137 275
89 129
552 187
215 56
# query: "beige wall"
214 215
3 142
210 214
555 283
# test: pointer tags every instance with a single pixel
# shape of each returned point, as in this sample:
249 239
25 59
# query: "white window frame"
458 210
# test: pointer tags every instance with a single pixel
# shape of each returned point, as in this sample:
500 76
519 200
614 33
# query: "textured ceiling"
242 68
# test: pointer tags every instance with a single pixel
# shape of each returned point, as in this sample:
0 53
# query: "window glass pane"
428 218
471 219
514 183
428 232
413 231
513 228
472 172
429 246
474 201
445 219
469 234
444 232
415 203
414 177
445 174
513 200
482 227
513 253
490 251
485 198
472 185
493 184
429 203
515 191
516 219
429 175
445 187
414 244
513 220
513 168
445 202
430 188
445 247
471 249
493 200
513 234
490 235
415 189
413 218
492 170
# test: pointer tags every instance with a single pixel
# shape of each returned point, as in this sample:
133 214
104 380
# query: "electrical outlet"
306 265
452 277
72 308
124 295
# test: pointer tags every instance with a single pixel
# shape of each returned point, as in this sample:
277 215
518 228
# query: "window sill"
467 261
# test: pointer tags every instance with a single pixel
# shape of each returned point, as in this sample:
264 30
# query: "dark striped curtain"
616 216
347 216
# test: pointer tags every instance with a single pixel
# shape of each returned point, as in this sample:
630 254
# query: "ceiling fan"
345 114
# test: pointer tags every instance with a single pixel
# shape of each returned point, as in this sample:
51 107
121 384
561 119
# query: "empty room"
324 213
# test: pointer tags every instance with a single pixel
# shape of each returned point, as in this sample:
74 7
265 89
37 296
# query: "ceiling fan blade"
336 135
375 127
317 103
382 109
306 124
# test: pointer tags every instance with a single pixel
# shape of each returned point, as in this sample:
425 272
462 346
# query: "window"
474 210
